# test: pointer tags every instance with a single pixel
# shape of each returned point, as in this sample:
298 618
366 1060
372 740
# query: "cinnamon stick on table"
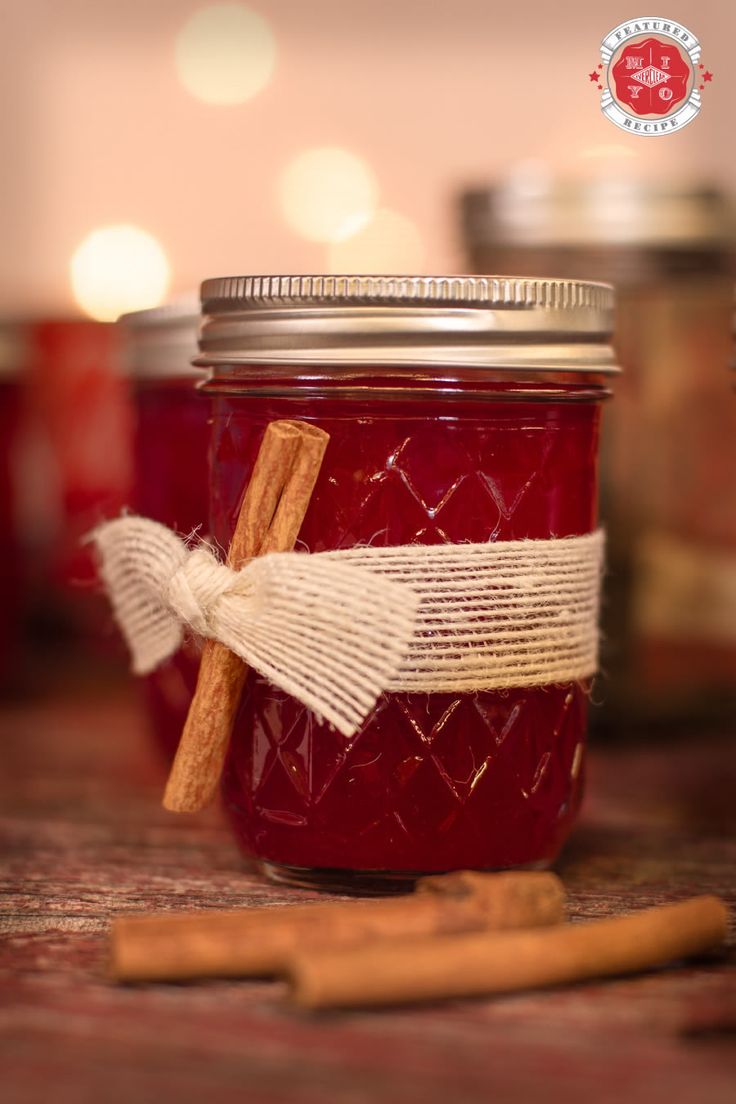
482 964
260 942
271 515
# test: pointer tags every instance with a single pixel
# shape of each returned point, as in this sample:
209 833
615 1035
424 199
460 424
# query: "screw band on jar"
159 343
509 323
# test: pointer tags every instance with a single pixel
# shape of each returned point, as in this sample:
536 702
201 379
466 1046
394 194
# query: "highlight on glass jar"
668 474
418 669
171 479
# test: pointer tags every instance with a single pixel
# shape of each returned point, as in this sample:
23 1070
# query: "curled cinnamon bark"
270 517
500 962
261 942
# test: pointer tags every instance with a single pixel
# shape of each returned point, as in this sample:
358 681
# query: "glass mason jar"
171 480
458 409
668 468
81 403
11 572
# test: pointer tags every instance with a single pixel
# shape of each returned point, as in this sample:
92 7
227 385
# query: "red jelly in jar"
79 409
458 409
11 574
171 473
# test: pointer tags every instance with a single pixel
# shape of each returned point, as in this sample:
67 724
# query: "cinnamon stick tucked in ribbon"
335 629
261 942
386 973
271 515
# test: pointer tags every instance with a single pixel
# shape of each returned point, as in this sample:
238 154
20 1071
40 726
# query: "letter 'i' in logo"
650 76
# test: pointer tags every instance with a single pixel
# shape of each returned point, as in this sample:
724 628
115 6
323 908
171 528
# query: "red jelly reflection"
171 476
419 452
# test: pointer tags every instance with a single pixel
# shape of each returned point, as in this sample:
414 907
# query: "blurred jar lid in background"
538 209
160 343
13 349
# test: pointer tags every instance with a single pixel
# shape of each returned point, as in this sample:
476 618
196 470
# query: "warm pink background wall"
95 128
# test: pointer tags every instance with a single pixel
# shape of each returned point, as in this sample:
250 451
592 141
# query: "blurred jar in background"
171 474
12 575
80 470
669 450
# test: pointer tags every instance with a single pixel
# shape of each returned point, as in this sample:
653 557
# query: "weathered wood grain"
83 837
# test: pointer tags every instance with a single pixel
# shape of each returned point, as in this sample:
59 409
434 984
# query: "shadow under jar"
458 409
171 476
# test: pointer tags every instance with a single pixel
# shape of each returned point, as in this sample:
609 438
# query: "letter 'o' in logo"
650 77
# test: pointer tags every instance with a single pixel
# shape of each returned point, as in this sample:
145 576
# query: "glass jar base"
362 883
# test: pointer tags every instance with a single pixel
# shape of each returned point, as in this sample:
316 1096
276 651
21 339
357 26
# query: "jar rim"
227 293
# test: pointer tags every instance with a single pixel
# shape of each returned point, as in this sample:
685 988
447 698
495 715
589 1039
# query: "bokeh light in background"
118 269
225 54
327 194
390 242
100 124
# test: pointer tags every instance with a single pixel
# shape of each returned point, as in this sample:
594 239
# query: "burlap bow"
330 634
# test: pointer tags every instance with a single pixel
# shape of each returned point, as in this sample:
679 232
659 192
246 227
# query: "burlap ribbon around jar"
336 629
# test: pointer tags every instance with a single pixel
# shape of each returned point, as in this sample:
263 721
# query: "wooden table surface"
84 838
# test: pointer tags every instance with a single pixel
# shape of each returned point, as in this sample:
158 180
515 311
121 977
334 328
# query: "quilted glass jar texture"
423 454
171 475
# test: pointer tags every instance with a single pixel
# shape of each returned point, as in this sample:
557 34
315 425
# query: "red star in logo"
593 76
707 76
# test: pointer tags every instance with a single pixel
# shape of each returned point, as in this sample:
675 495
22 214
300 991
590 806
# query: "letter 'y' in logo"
650 76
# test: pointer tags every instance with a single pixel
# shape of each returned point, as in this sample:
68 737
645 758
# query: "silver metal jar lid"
523 210
502 322
160 343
